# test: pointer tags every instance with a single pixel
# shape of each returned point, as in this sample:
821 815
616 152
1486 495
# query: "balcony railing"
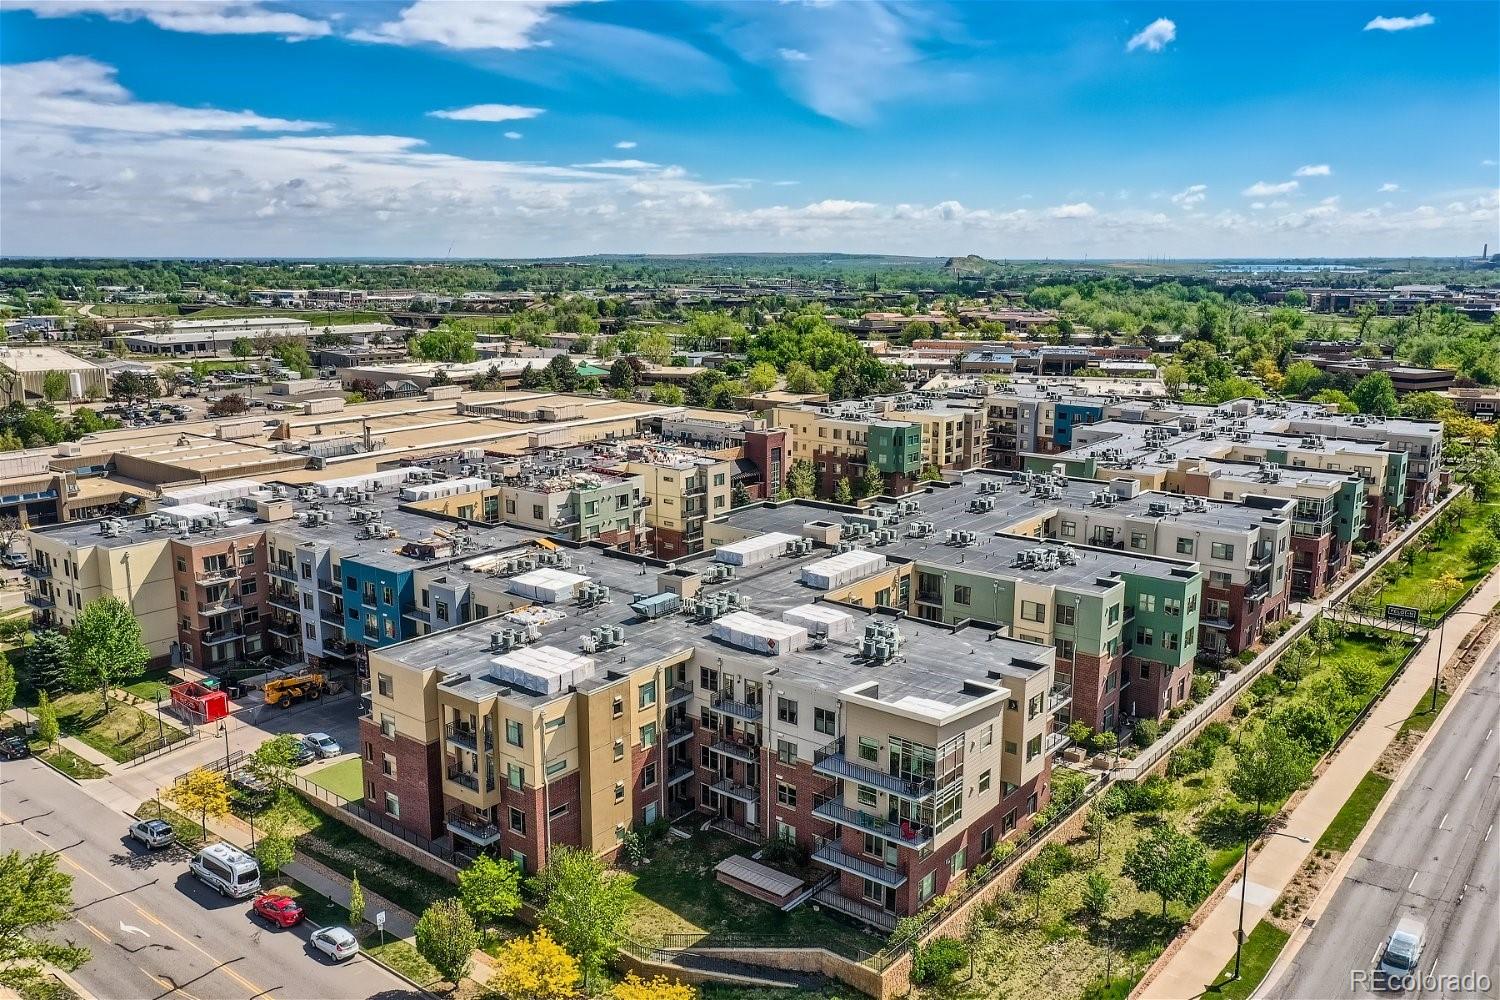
470 827
286 601
228 602
679 734
37 600
469 780
679 773
466 737
223 635
830 760
209 577
739 709
905 833
38 571
1059 697
284 572
735 790
832 854
679 694
739 749
1056 742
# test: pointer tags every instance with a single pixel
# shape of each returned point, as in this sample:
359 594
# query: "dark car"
13 748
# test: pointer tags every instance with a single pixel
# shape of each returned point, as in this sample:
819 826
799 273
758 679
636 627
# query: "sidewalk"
73 744
1210 946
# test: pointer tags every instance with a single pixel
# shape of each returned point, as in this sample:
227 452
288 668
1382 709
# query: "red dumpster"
199 704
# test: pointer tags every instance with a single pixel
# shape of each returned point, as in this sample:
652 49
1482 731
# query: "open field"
345 779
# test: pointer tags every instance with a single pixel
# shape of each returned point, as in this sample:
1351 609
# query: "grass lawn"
1422 717
676 893
149 685
1354 813
67 761
1418 585
122 734
1262 945
402 957
346 779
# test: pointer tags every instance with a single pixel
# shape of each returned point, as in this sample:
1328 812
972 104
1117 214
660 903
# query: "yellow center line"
218 962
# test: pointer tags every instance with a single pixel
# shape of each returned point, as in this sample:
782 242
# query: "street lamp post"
1437 668
161 735
1239 934
224 731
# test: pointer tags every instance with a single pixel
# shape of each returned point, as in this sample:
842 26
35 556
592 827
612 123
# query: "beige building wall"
139 574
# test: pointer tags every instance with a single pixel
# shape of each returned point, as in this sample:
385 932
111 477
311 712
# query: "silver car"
1400 957
322 744
153 833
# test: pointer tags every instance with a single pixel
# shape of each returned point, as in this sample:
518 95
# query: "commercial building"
23 370
206 337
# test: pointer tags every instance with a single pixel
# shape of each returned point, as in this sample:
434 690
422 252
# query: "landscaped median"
122 733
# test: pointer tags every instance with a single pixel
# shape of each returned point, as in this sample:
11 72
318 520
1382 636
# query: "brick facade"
417 782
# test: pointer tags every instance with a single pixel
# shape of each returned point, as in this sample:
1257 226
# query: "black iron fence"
384 823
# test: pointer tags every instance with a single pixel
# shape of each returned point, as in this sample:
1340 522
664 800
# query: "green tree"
105 647
1484 552
1035 877
275 849
43 663
444 343
34 898
293 354
203 792
7 683
622 374
871 484
562 373
667 394
490 889
1375 394
584 905
1096 897
1268 767
274 759
800 378
843 493
1171 864
655 347
54 386
446 937
761 377
356 902
1097 823
46 719
800 479
1301 378
242 348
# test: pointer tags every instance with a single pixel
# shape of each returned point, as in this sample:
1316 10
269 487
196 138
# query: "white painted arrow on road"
128 929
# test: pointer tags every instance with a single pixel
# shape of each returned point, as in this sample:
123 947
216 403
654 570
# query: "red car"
284 911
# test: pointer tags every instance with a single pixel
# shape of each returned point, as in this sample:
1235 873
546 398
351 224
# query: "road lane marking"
1487 833
1443 822
132 929
1467 773
218 963
1413 880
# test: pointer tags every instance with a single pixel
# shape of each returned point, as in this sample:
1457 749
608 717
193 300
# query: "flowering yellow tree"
534 968
633 987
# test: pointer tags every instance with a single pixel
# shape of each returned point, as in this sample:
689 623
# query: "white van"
227 869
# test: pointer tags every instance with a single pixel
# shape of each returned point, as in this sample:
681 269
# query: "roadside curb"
1308 924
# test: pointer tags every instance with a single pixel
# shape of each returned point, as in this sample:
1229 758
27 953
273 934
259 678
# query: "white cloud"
1487 163
512 135
200 17
1076 210
1389 186
510 25
78 92
785 183
793 55
617 165
1190 196
1263 189
1153 37
1313 170
487 113
1400 23
625 144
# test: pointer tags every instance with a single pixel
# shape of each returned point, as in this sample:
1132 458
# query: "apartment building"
896 752
682 491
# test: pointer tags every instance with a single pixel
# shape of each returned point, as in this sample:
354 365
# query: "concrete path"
72 743
1210 946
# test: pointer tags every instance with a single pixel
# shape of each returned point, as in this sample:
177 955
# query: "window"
1033 748
1065 648
956 862
786 710
1034 706
390 628
786 751
388 765
646 694
785 831
1066 614
310 630
440 609
984 781
247 587
927 887
1169 640
1033 611
1145 671
1114 614
648 735
786 794
392 805
619 791
708 679
824 720
648 776
1146 603
869 749
514 734
552 725
1221 550
618 706
387 595
383 685
1138 540
519 860
181 565
865 795
987 738
620 749
1184 546
388 726
987 841
515 775
1219 580
1069 529
247 557
557 767
558 810
1172 606
962 595
1144 637
517 820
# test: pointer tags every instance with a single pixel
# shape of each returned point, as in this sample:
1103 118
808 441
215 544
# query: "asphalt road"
1434 858
154 930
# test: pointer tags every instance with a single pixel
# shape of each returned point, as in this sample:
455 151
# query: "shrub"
1149 796
1247 656
1145 732
1079 732
1264 688
1056 859
1114 802
937 961
1203 686
1067 785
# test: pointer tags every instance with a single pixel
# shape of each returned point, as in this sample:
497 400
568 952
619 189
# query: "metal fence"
382 822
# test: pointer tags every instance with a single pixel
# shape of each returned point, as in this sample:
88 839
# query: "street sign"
380 920
1402 613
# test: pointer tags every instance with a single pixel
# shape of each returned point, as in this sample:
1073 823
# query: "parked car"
304 755
15 560
323 745
14 748
153 833
335 942
283 911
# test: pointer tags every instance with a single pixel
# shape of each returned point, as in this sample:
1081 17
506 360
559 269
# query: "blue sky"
534 127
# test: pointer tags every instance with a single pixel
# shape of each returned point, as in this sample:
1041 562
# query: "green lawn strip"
346 778
1422 717
1414 587
149 685
401 956
1262 945
121 735
1354 813
189 831
677 893
67 761
833 991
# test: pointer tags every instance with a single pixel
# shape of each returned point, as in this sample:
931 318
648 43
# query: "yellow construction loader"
283 691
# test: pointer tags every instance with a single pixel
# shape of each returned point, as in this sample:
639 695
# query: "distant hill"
971 264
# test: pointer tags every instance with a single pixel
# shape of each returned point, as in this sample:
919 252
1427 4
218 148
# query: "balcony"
833 855
38 571
280 572
679 773
464 824
735 790
830 761
38 600
287 602
1261 555
468 738
930 597
679 734
332 618
1055 743
1060 697
905 833
330 586
228 602
1221 624
726 705
220 636
469 780
737 749
678 695
221 574
285 627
